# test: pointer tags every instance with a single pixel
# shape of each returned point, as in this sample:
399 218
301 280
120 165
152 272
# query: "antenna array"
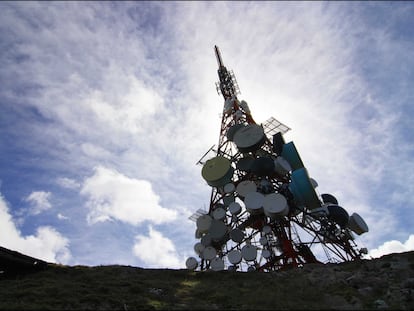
265 213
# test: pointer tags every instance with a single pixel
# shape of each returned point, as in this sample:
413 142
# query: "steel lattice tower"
264 212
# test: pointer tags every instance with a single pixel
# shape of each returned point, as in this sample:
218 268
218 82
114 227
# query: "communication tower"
264 213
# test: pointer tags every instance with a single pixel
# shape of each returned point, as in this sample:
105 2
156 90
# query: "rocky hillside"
381 284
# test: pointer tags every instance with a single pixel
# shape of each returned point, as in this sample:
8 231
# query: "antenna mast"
227 85
264 212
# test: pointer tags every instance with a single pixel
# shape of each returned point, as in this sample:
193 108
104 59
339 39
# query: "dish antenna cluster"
264 212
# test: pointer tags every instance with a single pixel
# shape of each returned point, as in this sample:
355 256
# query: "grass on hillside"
127 288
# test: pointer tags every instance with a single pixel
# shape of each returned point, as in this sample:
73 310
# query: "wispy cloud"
62 217
39 201
68 183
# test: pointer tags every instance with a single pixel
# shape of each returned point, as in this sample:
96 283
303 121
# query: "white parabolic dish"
263 240
245 187
234 256
217 230
217 264
229 188
206 240
357 224
249 138
266 229
234 208
254 202
237 235
198 248
266 253
203 223
275 205
249 252
219 213
191 263
209 253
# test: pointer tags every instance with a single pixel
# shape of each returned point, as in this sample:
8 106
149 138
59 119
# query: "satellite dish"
238 114
265 186
228 199
232 268
254 202
237 235
217 171
219 214
206 240
209 253
234 208
245 106
233 129
275 205
263 240
338 215
266 229
313 182
249 138
357 224
245 164
217 264
203 223
249 252
198 234
219 205
217 230
329 198
245 187
191 263
228 106
263 166
266 253
198 248
234 256
229 188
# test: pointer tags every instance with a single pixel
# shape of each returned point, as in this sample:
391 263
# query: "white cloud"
68 183
156 251
39 201
62 217
393 246
113 196
47 244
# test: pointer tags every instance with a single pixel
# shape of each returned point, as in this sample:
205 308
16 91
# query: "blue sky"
105 107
